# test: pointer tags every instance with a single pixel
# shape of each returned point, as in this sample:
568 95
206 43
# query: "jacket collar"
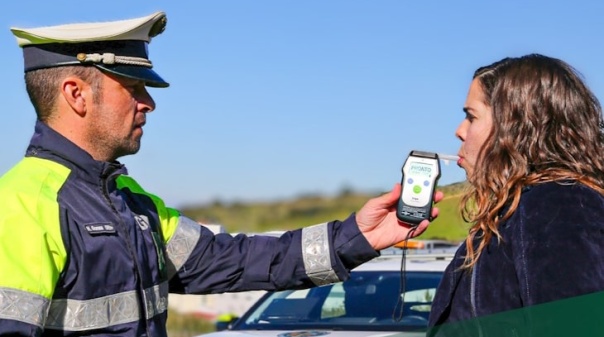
49 144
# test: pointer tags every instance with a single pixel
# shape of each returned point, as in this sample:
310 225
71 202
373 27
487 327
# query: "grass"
187 325
312 209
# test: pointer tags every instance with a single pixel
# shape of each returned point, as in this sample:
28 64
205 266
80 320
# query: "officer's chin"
128 151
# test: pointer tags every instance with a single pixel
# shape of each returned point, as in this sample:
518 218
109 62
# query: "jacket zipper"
473 300
132 251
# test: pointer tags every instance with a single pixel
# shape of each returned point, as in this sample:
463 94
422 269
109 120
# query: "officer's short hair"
42 86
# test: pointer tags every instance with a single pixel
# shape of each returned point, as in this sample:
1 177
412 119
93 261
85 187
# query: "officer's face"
121 115
474 129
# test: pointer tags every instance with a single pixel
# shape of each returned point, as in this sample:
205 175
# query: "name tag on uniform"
100 228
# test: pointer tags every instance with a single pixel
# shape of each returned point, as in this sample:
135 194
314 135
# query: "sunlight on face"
120 116
474 129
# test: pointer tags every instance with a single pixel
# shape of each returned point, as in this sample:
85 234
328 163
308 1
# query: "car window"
369 300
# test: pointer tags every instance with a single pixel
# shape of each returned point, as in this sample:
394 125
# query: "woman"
532 148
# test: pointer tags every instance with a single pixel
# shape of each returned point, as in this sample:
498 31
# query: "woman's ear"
76 92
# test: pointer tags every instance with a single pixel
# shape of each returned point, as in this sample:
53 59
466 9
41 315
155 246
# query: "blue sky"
272 99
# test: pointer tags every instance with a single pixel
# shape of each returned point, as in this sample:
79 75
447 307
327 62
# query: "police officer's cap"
118 47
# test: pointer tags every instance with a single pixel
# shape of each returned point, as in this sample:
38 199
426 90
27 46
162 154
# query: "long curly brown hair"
547 126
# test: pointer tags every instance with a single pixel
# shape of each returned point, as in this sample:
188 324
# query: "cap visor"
150 77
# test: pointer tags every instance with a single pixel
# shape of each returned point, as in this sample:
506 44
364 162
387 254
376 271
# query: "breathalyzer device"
420 175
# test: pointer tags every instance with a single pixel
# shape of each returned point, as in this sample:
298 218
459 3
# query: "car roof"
418 257
415 261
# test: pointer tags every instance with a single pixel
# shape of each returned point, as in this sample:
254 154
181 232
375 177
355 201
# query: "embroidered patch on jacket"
100 228
142 221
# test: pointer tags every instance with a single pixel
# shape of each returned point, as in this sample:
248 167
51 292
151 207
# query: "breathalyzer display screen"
418 183
420 169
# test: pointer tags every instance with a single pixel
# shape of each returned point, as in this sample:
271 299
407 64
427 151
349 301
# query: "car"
372 302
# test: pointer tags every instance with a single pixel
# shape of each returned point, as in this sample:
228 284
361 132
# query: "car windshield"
368 300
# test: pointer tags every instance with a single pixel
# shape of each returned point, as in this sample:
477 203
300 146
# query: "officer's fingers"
421 228
391 197
438 196
435 212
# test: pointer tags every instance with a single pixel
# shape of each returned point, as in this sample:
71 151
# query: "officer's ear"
76 93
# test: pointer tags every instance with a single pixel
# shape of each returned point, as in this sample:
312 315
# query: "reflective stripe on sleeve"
102 312
317 256
22 306
181 244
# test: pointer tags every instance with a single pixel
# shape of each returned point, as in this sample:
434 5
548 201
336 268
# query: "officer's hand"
378 222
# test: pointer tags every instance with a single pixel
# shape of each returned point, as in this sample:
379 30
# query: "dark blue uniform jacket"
84 250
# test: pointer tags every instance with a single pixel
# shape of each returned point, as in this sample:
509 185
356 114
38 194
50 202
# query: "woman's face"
474 129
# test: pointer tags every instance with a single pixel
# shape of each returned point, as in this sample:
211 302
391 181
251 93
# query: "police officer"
85 250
